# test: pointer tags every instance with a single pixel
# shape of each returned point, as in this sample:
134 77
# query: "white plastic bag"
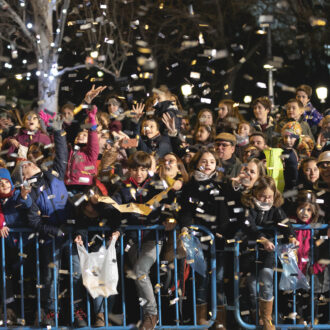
292 278
99 270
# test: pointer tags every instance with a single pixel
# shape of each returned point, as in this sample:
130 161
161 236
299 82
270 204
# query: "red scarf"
2 217
304 238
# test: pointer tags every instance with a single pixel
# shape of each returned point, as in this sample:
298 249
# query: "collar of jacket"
132 181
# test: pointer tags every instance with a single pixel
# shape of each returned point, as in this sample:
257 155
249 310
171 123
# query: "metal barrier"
69 243
236 306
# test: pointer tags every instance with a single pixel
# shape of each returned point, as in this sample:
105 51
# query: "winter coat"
313 117
26 138
132 192
231 167
268 130
82 162
204 203
49 194
267 220
13 209
160 144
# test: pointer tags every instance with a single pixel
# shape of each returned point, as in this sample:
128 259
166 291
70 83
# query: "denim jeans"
265 279
203 282
50 264
141 262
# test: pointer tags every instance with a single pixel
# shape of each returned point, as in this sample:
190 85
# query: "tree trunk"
48 93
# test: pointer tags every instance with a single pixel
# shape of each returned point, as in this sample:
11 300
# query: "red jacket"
82 163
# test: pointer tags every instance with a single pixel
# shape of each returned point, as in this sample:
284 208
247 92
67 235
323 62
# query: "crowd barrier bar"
281 326
69 243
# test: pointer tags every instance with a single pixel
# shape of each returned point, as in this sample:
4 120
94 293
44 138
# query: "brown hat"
324 157
227 137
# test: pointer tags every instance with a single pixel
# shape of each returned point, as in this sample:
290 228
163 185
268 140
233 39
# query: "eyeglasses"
224 145
324 165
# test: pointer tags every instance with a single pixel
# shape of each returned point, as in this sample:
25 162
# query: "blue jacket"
13 209
50 208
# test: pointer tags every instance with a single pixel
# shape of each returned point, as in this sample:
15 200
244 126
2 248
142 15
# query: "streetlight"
186 90
322 93
265 21
247 99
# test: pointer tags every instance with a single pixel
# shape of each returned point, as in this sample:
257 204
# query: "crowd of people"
242 177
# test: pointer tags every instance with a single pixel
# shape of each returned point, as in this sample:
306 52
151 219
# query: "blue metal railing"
69 243
282 326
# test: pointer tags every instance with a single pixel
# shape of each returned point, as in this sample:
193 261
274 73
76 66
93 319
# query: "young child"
152 140
138 190
294 112
13 206
263 205
306 213
309 173
49 211
311 115
262 120
203 135
30 133
203 203
244 130
292 145
228 116
83 156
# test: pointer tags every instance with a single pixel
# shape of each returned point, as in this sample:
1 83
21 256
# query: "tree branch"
18 20
84 66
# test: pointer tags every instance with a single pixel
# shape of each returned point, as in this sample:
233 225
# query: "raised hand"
138 110
91 94
169 123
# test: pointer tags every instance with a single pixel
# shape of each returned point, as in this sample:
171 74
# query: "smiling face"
325 172
305 212
112 108
311 171
5 186
293 111
31 122
252 174
206 118
150 129
82 138
202 134
139 174
207 163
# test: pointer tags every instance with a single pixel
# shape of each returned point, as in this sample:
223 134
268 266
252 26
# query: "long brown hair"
263 183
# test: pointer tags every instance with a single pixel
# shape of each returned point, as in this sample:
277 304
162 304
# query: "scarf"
304 238
2 218
262 206
200 176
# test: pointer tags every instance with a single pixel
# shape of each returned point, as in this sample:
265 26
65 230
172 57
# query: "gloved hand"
92 115
57 123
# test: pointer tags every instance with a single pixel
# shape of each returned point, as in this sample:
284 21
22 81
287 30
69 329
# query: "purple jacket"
82 163
26 139
313 117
